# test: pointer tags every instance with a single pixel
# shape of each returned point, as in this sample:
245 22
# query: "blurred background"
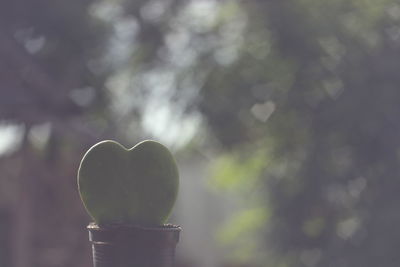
284 117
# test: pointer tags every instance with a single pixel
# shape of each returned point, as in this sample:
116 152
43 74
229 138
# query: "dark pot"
133 246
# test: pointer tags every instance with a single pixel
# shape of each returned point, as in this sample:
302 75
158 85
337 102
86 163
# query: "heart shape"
128 186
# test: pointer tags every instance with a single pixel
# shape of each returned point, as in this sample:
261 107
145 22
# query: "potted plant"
130 193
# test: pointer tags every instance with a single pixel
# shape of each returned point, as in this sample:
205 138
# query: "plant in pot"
130 194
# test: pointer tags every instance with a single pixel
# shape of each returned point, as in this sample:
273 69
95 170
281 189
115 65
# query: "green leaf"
135 186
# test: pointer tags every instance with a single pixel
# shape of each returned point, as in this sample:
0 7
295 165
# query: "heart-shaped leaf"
135 186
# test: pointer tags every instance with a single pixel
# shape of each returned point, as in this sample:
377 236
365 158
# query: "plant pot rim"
132 227
128 233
